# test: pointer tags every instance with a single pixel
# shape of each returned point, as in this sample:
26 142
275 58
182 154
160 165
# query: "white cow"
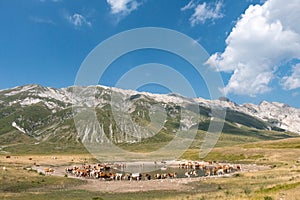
136 176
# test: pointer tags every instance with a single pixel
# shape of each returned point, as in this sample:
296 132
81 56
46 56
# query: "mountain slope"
45 115
278 116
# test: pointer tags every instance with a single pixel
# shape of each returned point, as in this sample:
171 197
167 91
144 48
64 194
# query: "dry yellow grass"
55 160
280 181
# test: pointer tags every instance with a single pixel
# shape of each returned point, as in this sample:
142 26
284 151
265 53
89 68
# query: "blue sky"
254 44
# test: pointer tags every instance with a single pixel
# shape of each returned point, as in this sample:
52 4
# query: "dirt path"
134 186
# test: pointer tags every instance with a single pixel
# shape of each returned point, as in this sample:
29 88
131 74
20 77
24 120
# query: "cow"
86 166
190 165
207 172
220 172
118 176
68 170
105 176
147 177
164 176
48 171
187 174
172 175
103 167
127 176
136 176
157 176
196 165
182 165
195 173
83 173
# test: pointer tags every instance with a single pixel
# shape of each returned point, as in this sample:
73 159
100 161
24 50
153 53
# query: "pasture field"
280 179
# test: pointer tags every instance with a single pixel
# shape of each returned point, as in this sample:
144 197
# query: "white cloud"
188 6
204 12
123 7
264 38
293 81
78 20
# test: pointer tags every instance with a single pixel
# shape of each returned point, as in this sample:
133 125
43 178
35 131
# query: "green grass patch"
17 179
279 188
282 144
193 154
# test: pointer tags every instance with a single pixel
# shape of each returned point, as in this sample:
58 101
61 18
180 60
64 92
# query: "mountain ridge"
44 112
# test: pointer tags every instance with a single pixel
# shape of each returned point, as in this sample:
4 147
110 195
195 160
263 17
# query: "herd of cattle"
209 168
111 172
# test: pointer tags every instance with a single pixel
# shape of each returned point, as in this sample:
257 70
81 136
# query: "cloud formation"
78 20
123 7
292 81
265 38
204 12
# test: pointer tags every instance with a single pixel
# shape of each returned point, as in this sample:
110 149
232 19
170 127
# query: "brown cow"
172 175
207 172
48 171
147 176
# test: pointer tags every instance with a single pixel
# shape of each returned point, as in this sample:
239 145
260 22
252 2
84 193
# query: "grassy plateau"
278 152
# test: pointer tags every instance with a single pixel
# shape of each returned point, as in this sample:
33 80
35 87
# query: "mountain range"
35 114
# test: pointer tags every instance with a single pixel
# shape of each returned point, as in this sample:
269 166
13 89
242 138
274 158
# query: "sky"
253 44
